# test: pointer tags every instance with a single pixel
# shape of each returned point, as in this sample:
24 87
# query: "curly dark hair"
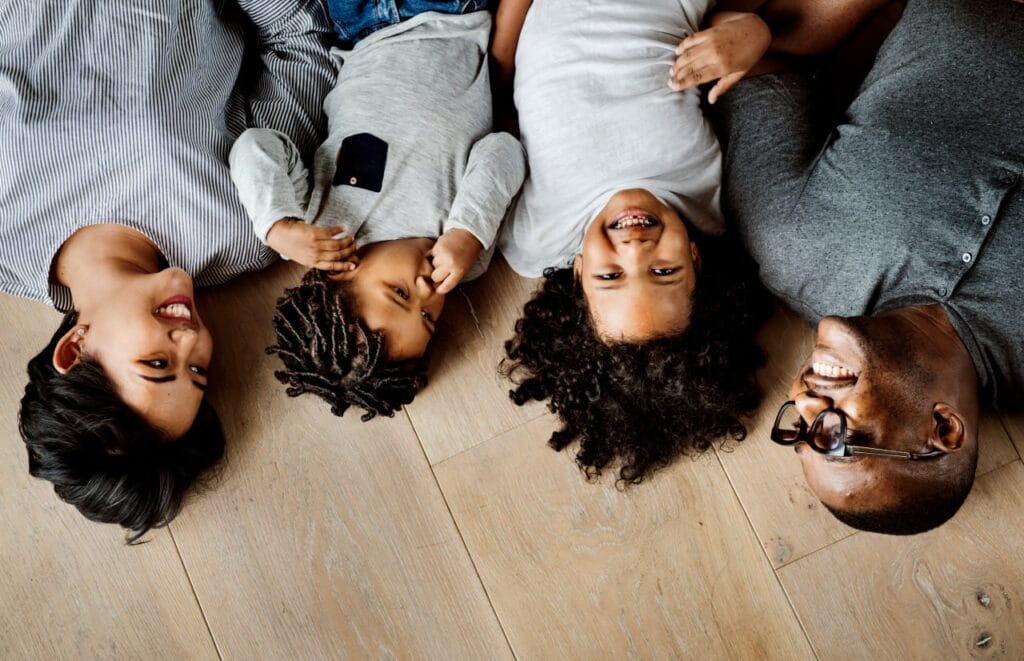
101 456
328 350
641 405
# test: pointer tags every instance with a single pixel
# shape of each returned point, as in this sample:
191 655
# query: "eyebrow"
168 379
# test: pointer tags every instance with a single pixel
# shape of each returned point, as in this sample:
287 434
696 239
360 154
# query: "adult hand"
724 52
324 248
452 256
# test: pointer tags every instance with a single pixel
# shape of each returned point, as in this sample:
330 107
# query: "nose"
184 338
810 404
425 288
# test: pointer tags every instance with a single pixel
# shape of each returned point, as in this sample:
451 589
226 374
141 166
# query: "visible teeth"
176 310
633 221
830 370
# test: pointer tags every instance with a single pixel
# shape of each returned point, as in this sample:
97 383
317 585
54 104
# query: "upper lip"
185 301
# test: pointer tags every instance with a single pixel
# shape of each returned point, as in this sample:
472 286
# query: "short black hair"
918 513
641 405
328 350
101 456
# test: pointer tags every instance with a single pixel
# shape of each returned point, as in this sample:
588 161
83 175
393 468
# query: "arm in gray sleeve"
292 42
272 181
494 173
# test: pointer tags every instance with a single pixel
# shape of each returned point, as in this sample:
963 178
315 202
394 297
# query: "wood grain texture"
789 520
953 593
1013 423
668 569
325 537
467 400
70 588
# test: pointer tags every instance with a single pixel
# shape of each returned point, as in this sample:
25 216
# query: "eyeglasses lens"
790 425
828 435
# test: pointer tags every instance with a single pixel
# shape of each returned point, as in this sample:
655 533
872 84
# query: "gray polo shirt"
914 197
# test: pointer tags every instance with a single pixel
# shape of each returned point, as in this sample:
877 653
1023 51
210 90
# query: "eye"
610 276
157 364
197 370
402 294
664 272
429 317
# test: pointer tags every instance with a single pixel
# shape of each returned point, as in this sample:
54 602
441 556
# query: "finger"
694 58
449 283
723 85
328 232
692 78
439 273
694 39
334 255
335 266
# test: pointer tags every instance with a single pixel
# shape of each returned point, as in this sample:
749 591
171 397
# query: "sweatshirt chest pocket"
361 162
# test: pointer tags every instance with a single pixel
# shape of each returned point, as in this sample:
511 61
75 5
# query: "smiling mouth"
633 219
176 308
830 375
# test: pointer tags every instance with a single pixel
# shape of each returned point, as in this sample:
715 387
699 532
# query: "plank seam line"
195 595
1006 429
481 443
768 560
458 530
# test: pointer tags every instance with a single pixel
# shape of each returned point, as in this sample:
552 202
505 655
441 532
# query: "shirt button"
942 291
986 219
353 181
966 257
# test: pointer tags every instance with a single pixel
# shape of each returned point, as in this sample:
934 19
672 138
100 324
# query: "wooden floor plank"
70 588
467 400
790 521
952 593
668 569
1014 425
325 537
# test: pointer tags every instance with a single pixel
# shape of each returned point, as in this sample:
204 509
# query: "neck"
930 327
93 258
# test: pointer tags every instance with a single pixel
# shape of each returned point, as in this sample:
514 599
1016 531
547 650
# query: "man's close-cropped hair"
100 455
328 350
641 405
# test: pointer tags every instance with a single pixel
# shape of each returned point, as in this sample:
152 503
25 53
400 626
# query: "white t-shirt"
596 116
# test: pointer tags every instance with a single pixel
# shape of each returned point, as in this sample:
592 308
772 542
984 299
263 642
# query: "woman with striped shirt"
116 122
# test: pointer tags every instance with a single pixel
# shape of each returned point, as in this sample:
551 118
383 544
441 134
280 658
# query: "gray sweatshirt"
409 151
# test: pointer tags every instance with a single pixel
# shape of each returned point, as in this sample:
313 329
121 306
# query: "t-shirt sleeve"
772 129
291 40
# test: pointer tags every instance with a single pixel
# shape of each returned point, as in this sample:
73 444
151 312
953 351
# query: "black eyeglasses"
827 435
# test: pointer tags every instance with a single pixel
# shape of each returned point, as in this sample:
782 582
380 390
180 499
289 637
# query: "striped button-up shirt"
123 111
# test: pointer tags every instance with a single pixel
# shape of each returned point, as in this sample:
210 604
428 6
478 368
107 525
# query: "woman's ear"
577 267
69 350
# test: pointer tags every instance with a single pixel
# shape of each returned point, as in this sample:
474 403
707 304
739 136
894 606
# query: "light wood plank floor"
451 531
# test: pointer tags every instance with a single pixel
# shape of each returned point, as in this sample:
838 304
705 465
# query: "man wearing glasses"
896 224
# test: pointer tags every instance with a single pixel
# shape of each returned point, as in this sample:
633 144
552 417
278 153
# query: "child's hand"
725 52
452 256
315 247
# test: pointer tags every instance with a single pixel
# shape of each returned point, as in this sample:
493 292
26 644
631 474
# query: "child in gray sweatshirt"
404 201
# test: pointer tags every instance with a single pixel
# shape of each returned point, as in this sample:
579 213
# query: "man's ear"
69 350
948 428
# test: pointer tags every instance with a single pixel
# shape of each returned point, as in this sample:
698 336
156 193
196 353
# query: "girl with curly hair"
642 334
